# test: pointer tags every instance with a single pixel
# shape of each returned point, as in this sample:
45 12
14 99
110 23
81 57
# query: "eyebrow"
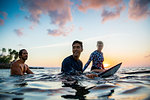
26 52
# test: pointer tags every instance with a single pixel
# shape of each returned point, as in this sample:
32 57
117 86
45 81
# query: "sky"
47 28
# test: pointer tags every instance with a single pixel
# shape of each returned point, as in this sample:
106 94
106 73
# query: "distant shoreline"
29 67
36 67
4 66
7 66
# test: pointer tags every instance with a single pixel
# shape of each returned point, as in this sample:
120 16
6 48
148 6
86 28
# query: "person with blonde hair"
97 59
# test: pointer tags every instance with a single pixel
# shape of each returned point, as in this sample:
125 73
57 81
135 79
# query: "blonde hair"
99 42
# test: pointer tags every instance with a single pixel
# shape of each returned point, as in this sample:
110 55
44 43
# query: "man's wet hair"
79 42
99 42
20 52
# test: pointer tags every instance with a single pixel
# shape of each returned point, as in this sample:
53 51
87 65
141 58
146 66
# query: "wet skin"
19 67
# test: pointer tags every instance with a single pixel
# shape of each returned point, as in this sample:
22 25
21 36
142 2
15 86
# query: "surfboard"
110 71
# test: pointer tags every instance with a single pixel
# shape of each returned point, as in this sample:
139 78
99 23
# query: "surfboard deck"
110 71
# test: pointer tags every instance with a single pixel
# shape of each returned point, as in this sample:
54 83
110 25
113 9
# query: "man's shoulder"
80 61
94 52
67 58
15 65
16 62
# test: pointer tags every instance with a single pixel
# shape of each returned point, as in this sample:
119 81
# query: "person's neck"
76 58
99 51
22 61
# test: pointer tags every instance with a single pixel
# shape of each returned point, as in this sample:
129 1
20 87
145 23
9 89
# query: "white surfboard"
110 71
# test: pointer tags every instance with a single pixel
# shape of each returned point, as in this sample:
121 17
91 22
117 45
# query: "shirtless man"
19 67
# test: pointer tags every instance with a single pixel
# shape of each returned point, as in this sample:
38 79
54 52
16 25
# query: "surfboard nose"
120 63
110 71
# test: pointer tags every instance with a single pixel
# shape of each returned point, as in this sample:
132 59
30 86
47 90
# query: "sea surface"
131 83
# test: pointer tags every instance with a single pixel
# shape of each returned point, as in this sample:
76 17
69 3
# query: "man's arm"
103 66
88 62
66 66
92 76
28 71
15 70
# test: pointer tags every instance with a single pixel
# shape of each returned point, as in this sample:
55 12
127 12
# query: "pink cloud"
61 31
103 5
59 11
56 32
97 4
19 32
80 28
4 15
32 26
147 56
109 15
20 45
1 21
139 9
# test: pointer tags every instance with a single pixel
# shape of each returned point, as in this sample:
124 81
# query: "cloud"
1 21
80 28
147 56
4 15
98 4
61 31
19 32
59 12
32 26
116 5
139 9
20 45
108 15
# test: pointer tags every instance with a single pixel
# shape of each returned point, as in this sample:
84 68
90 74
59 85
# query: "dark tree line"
7 58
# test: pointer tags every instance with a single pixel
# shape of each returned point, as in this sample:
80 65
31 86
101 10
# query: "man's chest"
76 65
23 67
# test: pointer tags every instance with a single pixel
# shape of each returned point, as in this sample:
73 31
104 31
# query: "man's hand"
78 72
91 76
98 70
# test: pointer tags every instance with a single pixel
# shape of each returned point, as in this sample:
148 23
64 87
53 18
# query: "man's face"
76 49
100 46
24 55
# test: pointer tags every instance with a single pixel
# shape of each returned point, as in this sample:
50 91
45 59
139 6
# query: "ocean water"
48 84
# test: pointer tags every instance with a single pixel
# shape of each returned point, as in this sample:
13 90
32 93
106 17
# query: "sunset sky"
47 28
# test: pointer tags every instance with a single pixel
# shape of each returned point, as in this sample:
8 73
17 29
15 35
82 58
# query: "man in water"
97 58
72 64
19 67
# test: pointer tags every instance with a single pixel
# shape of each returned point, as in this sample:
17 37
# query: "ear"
82 50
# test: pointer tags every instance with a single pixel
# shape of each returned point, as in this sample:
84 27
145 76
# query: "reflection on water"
47 84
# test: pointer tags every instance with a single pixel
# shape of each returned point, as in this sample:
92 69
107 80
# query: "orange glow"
106 65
